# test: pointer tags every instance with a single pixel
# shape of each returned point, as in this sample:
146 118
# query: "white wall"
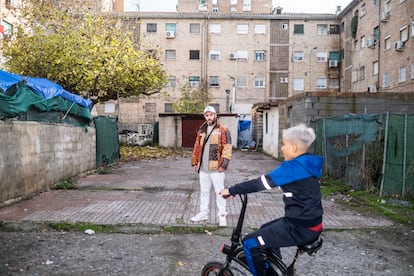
271 138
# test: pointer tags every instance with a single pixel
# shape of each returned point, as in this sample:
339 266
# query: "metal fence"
370 151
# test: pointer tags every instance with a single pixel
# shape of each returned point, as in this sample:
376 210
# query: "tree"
87 52
191 101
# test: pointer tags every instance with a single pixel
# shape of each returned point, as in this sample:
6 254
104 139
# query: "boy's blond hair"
300 134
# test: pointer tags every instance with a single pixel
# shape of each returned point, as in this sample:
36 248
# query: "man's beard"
211 122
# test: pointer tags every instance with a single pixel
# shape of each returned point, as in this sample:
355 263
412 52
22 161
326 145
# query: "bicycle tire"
213 268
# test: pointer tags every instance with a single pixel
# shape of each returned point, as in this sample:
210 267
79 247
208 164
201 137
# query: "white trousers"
206 180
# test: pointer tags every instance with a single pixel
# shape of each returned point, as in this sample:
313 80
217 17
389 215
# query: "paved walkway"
165 192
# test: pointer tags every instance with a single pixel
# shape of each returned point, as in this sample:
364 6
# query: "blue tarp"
44 87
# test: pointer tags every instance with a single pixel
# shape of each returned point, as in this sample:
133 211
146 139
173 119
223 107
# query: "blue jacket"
299 180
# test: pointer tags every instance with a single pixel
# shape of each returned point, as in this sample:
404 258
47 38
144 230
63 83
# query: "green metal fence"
107 141
369 151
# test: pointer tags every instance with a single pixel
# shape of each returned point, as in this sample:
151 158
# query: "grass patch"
65 184
65 226
397 210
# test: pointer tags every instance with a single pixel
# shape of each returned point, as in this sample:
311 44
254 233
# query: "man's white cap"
209 108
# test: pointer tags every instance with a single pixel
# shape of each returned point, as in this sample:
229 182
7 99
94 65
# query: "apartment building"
246 52
377 46
10 18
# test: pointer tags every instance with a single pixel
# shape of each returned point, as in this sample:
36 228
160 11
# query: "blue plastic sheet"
44 87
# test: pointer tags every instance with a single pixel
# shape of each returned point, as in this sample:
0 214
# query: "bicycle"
235 253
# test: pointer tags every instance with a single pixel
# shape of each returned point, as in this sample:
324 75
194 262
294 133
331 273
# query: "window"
412 71
354 76
412 28
7 29
242 81
194 81
233 2
386 80
363 42
215 9
284 26
322 29
172 81
334 29
202 5
259 82
259 29
259 55
170 27
168 108
299 29
150 107
215 28
334 55
242 55
376 33
363 10
333 83
321 83
242 29
194 28
170 54
387 6
195 54
151 27
214 2
298 84
321 56
361 73
213 81
247 5
298 56
404 34
387 42
402 74
214 55
375 68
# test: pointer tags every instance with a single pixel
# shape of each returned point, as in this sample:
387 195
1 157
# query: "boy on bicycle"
298 177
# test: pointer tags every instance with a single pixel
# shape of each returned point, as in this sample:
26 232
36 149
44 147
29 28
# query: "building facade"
247 53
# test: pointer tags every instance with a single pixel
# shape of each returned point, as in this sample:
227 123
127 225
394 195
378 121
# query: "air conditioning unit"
372 88
384 16
333 63
370 42
169 34
202 7
399 45
232 56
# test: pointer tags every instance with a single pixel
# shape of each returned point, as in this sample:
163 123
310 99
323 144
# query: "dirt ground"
387 251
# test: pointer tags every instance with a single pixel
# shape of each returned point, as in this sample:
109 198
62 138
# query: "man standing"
211 157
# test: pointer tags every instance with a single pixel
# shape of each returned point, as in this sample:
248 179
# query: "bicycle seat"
313 247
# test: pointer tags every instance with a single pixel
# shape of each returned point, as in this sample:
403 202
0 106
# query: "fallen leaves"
133 153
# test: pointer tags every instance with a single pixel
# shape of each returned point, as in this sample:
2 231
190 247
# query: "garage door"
189 130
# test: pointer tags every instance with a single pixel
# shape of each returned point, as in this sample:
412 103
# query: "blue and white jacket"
299 180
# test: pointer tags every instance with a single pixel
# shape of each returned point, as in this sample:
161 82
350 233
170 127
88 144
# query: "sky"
289 6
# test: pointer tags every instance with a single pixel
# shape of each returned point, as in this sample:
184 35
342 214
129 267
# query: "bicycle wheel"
213 268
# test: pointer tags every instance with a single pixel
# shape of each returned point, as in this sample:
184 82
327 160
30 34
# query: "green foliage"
331 186
65 184
87 53
354 26
191 101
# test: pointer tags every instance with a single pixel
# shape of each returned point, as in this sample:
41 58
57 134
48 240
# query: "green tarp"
21 102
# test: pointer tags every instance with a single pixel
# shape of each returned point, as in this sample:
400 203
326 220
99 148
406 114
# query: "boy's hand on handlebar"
225 193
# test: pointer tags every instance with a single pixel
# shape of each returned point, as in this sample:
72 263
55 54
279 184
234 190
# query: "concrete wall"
34 156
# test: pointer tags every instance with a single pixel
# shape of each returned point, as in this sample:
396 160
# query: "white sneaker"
222 221
199 217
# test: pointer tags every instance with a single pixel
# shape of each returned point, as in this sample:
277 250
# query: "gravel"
387 251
